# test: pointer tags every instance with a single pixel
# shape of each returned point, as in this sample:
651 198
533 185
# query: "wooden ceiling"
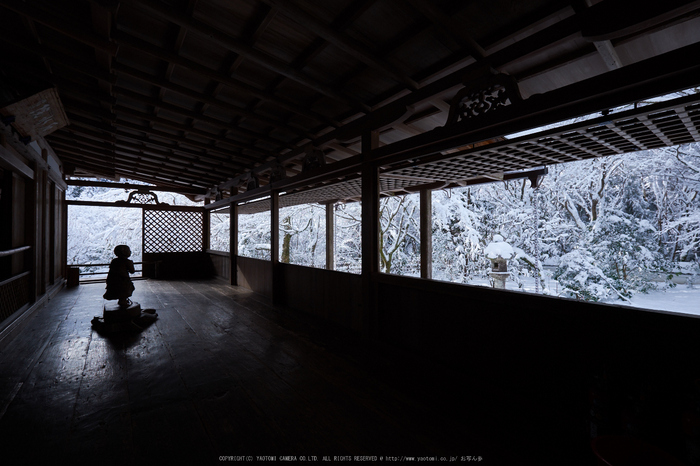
195 95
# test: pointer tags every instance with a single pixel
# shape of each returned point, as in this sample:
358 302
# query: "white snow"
682 299
499 248
613 229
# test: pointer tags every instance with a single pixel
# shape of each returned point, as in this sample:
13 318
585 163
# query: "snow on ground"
681 299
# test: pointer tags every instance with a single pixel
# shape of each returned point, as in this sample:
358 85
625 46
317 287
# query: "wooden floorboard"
220 372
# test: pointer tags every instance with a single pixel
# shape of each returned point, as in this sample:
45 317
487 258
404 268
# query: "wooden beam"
442 21
75 130
210 150
61 25
427 93
237 46
655 76
84 109
346 17
222 78
130 162
95 145
203 118
80 66
345 43
109 78
608 54
187 130
10 161
107 184
199 97
102 19
125 204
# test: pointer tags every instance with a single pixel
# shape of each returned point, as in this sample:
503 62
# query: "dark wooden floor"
220 373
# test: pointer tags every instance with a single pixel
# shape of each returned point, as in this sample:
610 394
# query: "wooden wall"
549 369
520 366
255 274
222 264
172 265
32 235
333 296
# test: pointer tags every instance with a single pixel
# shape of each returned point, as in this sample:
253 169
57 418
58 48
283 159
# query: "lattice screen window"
172 231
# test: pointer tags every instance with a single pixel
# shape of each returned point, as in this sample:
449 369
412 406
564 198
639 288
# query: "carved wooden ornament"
483 96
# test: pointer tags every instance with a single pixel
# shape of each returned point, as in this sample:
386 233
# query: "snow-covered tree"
254 237
220 231
399 235
303 235
348 237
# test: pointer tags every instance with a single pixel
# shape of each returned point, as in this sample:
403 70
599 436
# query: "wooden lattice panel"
337 191
14 293
644 128
350 189
647 127
255 207
172 231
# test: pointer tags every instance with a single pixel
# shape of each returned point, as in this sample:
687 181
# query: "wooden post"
44 227
64 236
426 234
233 242
275 247
143 245
51 234
370 237
330 236
7 202
30 232
206 227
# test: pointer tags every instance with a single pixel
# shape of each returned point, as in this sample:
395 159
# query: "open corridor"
220 373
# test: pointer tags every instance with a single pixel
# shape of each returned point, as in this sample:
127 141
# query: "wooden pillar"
44 227
64 236
275 247
206 227
31 231
369 320
7 205
233 242
51 234
330 236
426 233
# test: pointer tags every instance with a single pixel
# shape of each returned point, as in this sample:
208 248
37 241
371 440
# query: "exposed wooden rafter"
205 93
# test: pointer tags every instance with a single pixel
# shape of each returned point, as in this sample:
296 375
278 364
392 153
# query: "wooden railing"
138 273
10 252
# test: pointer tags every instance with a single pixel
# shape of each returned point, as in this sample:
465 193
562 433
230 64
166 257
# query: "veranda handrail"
16 277
10 252
95 265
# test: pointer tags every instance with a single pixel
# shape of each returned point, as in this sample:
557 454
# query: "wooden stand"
116 318
113 313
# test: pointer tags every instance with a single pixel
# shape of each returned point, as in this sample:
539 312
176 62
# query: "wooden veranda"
254 105
221 373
